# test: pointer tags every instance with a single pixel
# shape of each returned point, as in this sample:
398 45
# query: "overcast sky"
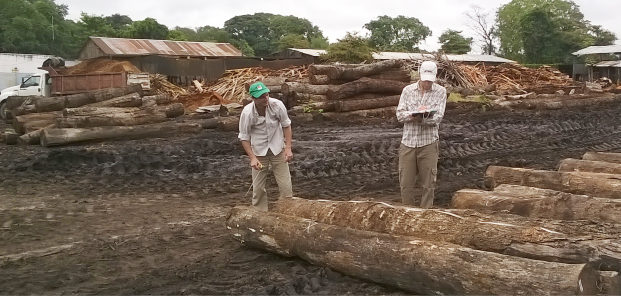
333 17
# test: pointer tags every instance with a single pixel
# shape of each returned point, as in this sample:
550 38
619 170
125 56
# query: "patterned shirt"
264 132
425 132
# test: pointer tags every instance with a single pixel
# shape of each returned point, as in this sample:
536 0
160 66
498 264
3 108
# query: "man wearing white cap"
421 109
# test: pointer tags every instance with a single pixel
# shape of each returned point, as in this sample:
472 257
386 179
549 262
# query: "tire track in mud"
338 161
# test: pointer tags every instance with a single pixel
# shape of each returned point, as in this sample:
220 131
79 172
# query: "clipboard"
426 114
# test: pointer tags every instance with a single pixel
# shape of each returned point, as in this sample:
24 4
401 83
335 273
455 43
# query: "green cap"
257 89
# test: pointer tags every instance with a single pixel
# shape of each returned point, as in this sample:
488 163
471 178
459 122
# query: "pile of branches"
511 76
449 73
232 85
162 86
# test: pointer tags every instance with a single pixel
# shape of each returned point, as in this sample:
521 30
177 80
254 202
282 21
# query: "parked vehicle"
50 83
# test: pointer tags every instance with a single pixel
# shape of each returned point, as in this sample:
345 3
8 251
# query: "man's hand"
422 108
256 164
288 155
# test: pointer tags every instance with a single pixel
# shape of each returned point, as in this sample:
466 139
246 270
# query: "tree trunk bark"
320 80
351 74
602 156
353 105
10 137
57 137
366 85
303 98
85 117
23 110
49 104
385 112
418 266
34 137
592 184
288 88
130 100
323 106
539 203
548 240
395 74
13 102
576 165
30 122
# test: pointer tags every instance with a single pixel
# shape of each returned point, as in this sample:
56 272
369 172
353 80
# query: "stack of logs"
347 88
536 233
105 114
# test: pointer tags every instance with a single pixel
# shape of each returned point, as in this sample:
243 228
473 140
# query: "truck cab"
38 84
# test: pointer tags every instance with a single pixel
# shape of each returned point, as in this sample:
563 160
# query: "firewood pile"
99 115
536 233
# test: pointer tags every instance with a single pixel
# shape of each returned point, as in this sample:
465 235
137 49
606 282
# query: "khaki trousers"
281 173
419 162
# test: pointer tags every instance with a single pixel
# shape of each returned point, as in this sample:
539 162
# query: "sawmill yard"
149 215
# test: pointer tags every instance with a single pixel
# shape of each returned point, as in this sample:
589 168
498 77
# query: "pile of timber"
105 114
512 76
346 88
536 233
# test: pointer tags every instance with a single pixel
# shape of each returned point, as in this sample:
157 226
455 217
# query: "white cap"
428 71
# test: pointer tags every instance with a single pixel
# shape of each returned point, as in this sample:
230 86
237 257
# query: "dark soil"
148 216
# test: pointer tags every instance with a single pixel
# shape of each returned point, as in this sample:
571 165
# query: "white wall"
14 66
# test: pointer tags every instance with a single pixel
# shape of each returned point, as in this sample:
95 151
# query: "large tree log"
395 74
549 240
320 80
288 88
418 266
130 100
592 184
323 106
301 98
576 165
366 85
385 112
353 105
323 69
56 137
350 74
34 137
23 110
13 102
48 104
602 156
539 203
30 122
84 117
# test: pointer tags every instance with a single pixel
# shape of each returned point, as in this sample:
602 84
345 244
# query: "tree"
350 49
319 42
454 43
486 33
213 34
176 35
263 31
397 34
601 36
94 25
568 22
148 28
540 39
292 41
119 22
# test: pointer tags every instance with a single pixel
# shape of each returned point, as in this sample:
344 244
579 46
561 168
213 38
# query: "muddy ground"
148 216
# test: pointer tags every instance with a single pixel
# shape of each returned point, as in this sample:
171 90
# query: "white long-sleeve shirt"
264 132
418 134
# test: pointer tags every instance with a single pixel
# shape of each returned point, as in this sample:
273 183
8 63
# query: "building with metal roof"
609 49
609 64
385 55
126 48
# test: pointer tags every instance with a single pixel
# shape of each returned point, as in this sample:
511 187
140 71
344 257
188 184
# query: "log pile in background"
106 114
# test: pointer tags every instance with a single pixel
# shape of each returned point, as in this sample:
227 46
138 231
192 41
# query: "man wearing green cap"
265 134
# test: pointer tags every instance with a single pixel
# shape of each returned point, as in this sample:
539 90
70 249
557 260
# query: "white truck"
48 83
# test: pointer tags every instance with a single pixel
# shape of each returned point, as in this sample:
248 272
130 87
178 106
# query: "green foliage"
263 32
319 42
536 21
397 34
601 36
213 34
176 36
119 22
244 47
292 41
454 43
148 28
350 49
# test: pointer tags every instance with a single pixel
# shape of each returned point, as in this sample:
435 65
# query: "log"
353 105
417 266
366 85
539 203
288 88
10 137
57 137
319 79
229 124
130 100
23 110
48 104
397 75
321 106
548 240
592 184
577 165
351 74
602 156
302 98
98 111
609 283
85 117
32 138
13 102
30 122
385 112
174 110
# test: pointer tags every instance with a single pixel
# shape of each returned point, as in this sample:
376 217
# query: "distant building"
608 63
128 48
313 54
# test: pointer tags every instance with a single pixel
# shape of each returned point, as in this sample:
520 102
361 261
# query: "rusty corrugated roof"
134 47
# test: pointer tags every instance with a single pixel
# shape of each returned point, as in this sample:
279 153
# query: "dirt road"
147 217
